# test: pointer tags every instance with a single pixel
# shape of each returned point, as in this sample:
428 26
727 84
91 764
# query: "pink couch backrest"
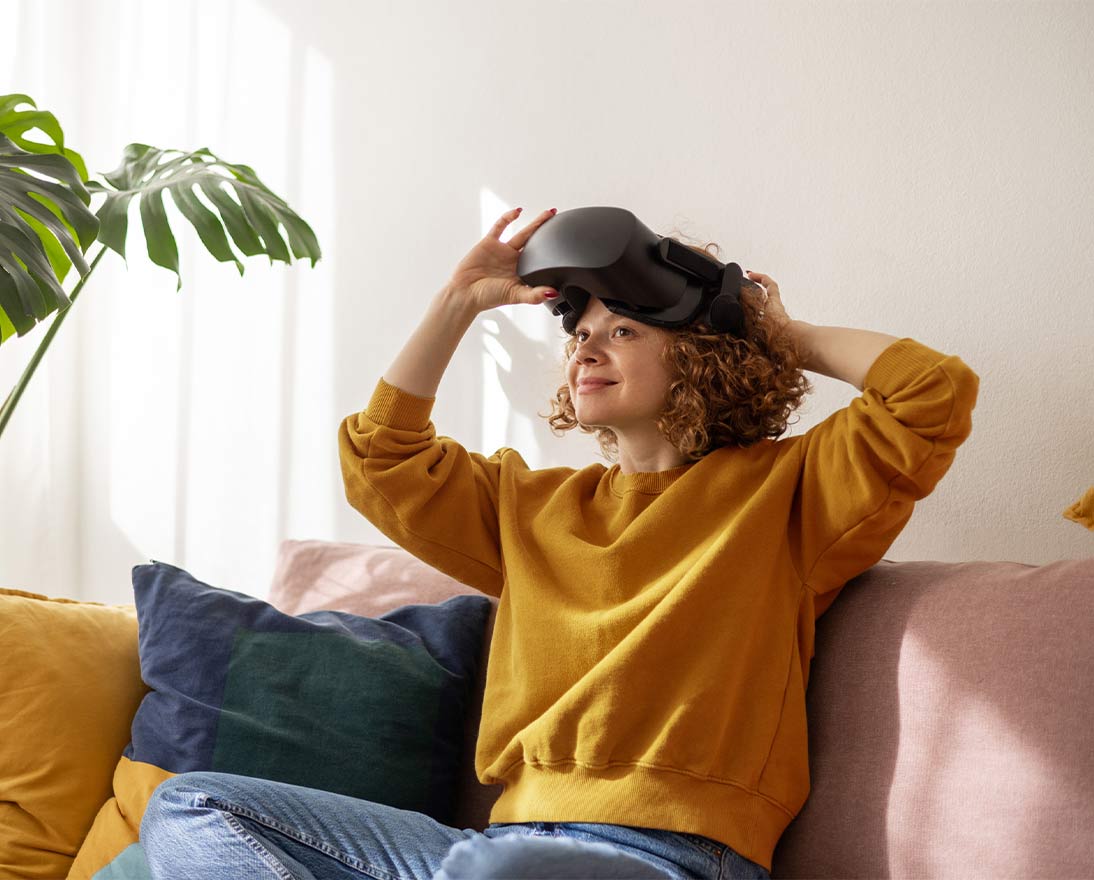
951 725
951 718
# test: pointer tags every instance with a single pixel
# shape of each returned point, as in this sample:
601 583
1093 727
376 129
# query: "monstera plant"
47 224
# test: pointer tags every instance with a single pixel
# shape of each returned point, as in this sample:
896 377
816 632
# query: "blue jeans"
220 825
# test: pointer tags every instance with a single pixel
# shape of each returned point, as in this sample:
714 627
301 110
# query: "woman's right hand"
487 276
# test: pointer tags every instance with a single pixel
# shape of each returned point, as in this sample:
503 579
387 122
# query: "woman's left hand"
773 303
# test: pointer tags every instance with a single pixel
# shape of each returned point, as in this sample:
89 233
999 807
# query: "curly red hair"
725 391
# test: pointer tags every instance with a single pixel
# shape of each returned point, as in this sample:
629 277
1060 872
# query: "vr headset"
610 254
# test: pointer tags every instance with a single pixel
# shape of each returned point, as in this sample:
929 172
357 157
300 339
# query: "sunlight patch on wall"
521 348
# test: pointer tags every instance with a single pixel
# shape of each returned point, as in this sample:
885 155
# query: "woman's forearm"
841 352
418 368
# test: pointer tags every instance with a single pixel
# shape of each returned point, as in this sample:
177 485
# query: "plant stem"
17 392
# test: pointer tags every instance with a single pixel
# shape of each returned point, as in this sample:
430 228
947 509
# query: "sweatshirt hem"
645 797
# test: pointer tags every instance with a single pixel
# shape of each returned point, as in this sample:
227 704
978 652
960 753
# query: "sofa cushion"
950 711
71 683
368 707
359 578
370 580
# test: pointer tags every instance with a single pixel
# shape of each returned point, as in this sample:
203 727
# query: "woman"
645 696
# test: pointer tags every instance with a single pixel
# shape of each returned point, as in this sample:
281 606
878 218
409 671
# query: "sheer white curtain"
200 427
194 427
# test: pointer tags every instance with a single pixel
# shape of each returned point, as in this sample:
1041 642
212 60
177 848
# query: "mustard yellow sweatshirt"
654 631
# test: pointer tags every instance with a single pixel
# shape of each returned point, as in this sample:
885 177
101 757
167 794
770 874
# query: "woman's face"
625 353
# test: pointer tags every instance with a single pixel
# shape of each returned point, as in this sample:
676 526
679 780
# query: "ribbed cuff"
901 363
395 408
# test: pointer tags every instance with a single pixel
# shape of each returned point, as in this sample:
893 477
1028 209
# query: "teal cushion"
130 864
373 708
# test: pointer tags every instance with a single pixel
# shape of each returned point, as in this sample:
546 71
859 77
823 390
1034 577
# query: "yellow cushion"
118 825
70 686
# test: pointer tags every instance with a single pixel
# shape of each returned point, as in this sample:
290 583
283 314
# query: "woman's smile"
590 387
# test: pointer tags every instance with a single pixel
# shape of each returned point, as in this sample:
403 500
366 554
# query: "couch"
949 703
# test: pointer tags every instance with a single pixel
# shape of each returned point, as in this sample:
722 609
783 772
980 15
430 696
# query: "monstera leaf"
16 123
252 217
46 225
45 222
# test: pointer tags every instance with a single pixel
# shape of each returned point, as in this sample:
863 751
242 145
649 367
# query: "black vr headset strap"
723 311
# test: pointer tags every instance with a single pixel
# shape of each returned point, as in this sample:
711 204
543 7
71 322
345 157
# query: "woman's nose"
586 349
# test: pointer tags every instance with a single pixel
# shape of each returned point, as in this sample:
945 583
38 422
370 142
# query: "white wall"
920 169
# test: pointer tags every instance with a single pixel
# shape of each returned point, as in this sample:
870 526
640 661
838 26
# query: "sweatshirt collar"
650 482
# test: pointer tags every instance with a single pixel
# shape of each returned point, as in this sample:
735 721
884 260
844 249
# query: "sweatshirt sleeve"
427 493
865 466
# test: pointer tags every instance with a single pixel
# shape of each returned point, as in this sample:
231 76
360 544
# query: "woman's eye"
581 333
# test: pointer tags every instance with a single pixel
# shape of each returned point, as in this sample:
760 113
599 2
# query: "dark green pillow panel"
373 708
371 748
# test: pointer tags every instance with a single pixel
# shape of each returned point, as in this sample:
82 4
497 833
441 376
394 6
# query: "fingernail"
551 294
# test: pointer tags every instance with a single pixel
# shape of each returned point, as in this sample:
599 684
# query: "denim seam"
644 855
253 844
297 835
711 849
702 845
